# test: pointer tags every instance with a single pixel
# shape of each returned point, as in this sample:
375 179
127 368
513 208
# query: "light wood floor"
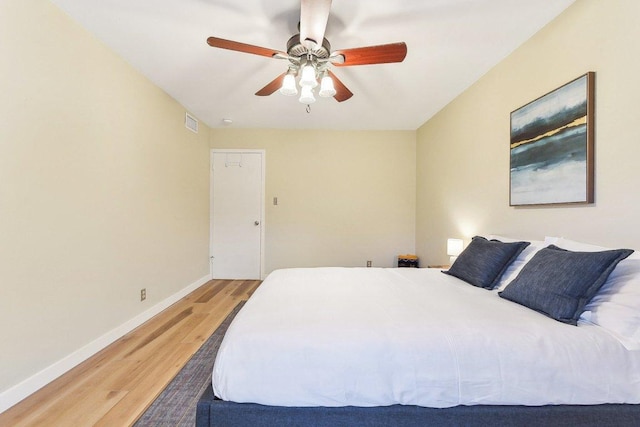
115 386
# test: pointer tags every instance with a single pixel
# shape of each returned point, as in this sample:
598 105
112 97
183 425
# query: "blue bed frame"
212 412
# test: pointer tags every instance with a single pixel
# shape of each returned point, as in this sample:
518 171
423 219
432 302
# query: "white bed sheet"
377 337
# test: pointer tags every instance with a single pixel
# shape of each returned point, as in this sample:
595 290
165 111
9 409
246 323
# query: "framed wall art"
552 147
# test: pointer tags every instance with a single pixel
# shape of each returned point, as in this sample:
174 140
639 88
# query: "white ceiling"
451 43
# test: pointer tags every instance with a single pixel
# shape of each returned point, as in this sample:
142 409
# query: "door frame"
262 201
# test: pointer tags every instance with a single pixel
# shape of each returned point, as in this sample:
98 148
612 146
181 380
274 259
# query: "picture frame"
552 147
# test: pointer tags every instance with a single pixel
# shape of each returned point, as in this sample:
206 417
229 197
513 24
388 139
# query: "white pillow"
551 240
573 245
506 239
514 268
616 306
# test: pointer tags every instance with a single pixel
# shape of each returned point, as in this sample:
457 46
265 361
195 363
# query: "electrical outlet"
143 294
368 263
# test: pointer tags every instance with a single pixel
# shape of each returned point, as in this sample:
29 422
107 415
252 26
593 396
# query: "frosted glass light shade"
308 76
289 85
326 87
306 95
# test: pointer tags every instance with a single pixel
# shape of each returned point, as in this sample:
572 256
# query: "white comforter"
376 337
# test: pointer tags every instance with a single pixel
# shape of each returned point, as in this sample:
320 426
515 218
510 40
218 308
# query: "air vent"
191 123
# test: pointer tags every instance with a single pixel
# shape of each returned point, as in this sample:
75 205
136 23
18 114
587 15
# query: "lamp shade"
326 87
454 247
308 76
306 95
289 85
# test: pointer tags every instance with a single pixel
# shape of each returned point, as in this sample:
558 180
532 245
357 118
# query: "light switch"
275 201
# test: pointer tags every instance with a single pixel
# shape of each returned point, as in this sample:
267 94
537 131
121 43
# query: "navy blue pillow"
483 261
559 283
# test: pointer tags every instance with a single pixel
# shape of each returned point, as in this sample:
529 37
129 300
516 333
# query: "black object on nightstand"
408 261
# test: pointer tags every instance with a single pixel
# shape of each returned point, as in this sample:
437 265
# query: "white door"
237 195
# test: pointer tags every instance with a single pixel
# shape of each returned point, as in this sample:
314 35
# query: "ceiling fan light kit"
310 60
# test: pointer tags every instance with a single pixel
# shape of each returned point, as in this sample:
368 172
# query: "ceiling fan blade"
243 47
342 93
273 86
382 54
314 15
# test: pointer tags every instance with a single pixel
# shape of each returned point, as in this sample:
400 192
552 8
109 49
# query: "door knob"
256 223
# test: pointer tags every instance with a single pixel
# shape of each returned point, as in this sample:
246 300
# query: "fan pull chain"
308 109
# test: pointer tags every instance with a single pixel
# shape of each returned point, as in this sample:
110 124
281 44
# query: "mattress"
378 337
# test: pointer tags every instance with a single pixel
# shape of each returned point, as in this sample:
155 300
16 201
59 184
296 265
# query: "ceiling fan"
309 57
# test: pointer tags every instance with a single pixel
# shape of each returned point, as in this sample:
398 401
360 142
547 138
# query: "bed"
363 346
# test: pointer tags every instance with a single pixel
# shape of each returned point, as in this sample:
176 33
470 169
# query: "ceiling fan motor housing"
296 49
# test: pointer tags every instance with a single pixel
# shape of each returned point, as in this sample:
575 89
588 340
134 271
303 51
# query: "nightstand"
442 266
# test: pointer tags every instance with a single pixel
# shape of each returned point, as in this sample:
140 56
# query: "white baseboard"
15 394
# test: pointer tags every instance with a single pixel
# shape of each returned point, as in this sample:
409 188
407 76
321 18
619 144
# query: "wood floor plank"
213 291
200 333
241 288
144 391
116 385
253 289
91 411
162 330
82 412
56 396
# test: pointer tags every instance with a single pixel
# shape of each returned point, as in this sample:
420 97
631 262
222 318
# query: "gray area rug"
176 405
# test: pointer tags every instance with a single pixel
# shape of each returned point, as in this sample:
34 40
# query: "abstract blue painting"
551 146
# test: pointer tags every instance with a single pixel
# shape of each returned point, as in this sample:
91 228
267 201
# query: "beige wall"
102 191
463 154
343 197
